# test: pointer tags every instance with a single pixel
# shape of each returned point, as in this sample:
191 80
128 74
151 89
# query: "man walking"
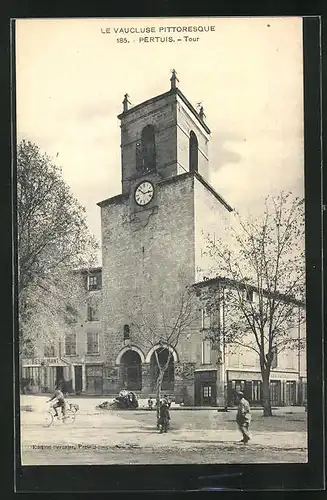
243 417
164 417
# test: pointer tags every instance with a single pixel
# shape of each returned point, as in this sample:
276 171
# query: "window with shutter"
92 283
70 344
92 313
92 343
206 352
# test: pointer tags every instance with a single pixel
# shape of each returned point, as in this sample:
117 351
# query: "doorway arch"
131 370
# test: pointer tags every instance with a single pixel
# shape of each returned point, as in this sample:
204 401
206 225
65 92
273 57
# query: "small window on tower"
193 143
126 332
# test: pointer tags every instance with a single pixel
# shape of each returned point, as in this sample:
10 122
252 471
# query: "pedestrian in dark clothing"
164 416
167 400
243 417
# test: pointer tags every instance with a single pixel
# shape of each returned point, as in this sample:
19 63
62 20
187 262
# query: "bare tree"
264 293
53 239
167 328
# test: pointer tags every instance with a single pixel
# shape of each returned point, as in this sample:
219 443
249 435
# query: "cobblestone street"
126 437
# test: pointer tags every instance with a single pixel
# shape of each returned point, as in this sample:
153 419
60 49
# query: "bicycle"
73 407
68 417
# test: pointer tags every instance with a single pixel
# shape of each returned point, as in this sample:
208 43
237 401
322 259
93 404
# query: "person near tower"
243 416
164 416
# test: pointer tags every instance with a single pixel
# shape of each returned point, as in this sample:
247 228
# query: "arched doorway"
131 371
168 378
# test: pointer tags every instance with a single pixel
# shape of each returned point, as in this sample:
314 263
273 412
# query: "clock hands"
143 197
146 192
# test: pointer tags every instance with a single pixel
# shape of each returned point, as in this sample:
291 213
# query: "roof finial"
173 79
126 102
200 110
201 113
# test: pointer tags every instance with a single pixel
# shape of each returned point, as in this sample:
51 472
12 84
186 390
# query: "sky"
72 74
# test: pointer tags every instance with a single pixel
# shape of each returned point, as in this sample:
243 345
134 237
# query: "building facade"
75 358
240 366
153 245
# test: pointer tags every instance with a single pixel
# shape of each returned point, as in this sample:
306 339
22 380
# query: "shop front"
30 381
205 387
42 375
284 388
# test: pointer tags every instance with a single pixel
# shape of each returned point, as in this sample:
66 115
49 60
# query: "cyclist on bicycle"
60 401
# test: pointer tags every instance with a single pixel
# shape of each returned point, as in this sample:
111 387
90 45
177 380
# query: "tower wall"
162 115
186 122
211 218
146 263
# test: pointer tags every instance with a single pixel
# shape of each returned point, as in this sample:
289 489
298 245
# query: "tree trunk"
158 392
266 395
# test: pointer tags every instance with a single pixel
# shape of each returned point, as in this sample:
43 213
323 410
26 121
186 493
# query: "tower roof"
174 90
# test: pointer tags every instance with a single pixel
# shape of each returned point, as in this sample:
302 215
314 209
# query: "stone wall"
142 264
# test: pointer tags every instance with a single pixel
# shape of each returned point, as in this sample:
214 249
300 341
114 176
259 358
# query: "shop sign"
43 361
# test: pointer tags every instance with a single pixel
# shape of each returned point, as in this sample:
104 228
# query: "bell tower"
152 235
162 137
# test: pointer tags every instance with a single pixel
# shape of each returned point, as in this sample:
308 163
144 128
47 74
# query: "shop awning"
205 370
34 362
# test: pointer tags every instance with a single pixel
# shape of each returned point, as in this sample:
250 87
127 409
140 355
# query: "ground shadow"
139 431
207 441
143 430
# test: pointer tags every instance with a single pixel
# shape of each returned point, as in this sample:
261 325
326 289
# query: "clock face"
144 193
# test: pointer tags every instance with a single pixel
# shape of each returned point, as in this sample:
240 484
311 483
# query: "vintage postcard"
161 250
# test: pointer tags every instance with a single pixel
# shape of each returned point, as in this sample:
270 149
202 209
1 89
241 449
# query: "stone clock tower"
152 238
